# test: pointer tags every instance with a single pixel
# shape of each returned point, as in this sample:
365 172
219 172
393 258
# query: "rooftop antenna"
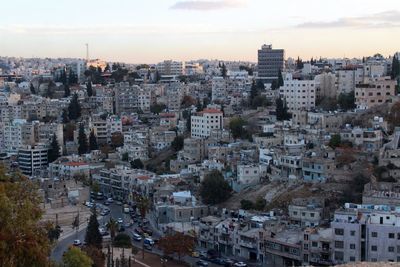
87 52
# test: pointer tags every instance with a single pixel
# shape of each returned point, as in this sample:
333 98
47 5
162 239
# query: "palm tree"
112 226
143 204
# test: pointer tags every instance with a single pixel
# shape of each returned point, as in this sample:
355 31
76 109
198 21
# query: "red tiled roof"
143 177
75 164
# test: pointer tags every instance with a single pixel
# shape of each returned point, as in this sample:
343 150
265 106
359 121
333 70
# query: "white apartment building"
32 158
205 121
169 67
298 94
17 133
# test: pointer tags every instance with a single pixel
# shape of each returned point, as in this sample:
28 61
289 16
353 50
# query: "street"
116 211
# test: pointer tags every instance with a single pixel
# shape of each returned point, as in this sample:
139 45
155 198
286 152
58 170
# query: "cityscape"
198 139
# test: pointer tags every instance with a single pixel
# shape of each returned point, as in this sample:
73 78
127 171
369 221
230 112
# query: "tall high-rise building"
270 61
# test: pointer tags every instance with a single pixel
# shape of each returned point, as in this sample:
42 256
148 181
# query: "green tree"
346 101
64 116
74 108
224 71
75 257
246 204
395 67
67 91
23 240
157 108
32 88
122 241
143 205
178 243
137 164
54 150
82 141
93 236
89 88
280 79
93 141
214 189
125 156
177 143
335 141
236 125
281 110
117 139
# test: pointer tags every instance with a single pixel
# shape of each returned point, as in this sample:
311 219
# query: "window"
312 214
374 234
339 255
339 231
314 244
352 246
352 233
390 249
352 258
391 235
338 244
374 248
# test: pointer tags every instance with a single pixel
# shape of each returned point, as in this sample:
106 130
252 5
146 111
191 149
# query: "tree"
281 110
112 226
125 156
143 205
137 164
214 189
75 257
177 143
224 71
93 236
274 85
299 63
74 108
67 91
117 139
178 243
54 150
395 67
23 240
122 241
64 116
89 88
157 108
32 88
96 255
93 141
346 101
280 79
394 116
246 204
82 141
236 125
53 232
335 141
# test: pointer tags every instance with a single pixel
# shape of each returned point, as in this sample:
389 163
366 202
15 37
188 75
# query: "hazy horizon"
152 31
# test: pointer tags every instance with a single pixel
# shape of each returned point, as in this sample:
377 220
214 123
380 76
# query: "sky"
148 31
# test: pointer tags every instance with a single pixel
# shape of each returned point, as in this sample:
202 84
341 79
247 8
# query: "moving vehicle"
110 200
240 264
136 237
201 263
148 241
120 220
77 243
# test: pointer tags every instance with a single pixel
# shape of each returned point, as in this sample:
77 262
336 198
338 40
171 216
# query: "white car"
77 242
240 264
110 200
136 237
120 220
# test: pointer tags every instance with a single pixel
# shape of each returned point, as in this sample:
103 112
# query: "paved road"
116 212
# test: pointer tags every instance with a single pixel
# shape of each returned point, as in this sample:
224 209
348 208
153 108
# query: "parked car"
139 231
218 261
77 243
148 247
195 254
104 212
147 230
240 264
228 262
119 203
103 231
120 220
201 263
136 237
110 200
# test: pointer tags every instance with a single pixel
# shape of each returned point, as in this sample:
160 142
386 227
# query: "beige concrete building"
374 92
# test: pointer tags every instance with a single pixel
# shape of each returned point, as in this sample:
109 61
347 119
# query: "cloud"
387 19
202 5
